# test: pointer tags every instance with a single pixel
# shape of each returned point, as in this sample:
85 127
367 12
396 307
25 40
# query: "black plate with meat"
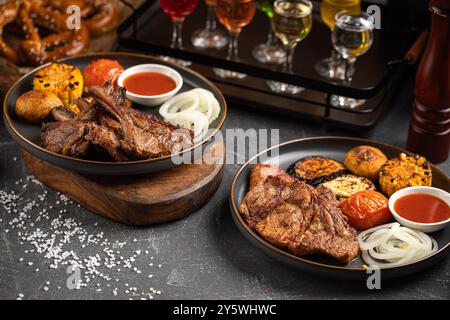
335 148
28 135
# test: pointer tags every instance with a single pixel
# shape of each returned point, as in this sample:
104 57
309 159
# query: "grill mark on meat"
293 215
143 135
59 137
106 122
107 139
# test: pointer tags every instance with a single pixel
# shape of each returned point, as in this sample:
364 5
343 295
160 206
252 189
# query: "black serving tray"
378 73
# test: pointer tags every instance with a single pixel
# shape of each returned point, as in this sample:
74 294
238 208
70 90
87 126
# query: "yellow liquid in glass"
291 22
329 9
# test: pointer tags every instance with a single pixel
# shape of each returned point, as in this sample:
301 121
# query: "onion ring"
194 109
392 245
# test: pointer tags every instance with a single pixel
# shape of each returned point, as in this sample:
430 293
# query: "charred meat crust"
296 217
315 170
124 133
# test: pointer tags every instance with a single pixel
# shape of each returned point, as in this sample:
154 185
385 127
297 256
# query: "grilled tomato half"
99 71
315 170
366 209
346 185
404 171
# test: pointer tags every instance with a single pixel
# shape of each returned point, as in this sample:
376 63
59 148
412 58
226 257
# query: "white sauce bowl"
151 101
424 227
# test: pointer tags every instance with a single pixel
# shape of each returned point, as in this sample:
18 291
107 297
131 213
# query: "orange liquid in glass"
235 14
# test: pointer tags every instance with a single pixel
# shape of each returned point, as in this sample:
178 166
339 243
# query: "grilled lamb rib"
66 136
107 139
106 123
294 216
141 136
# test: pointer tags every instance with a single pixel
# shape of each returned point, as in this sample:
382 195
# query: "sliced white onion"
180 104
377 237
194 120
391 245
185 109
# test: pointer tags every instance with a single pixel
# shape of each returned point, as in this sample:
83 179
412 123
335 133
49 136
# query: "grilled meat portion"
293 215
107 139
141 136
107 123
66 136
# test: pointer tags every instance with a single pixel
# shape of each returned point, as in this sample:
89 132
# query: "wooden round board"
137 200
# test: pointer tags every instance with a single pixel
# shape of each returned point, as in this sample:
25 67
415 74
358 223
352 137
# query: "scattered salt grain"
47 232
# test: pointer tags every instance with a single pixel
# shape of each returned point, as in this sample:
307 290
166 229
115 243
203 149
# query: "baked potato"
365 161
315 170
35 106
404 171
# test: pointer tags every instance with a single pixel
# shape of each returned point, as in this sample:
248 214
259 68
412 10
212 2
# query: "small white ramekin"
151 101
424 227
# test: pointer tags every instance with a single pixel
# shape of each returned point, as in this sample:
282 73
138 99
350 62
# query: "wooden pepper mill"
429 131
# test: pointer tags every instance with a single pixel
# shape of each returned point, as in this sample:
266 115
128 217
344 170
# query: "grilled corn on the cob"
63 80
405 171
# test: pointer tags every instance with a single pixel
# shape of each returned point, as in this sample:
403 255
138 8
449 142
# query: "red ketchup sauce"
149 83
422 208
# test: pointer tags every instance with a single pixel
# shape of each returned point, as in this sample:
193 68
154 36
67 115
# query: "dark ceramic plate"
333 147
28 135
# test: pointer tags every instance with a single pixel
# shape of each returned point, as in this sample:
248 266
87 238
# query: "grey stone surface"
203 256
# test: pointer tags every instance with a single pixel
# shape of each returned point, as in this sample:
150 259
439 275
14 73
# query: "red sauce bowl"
426 209
152 70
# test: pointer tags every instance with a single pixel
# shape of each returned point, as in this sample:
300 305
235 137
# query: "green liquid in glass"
266 6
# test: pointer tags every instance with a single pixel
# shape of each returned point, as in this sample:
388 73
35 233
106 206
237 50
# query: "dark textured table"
201 257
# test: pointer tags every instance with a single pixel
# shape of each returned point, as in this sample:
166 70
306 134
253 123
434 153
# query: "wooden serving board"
137 200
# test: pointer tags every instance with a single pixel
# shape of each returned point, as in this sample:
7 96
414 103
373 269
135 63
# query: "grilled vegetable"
365 161
315 170
347 185
63 80
366 209
99 71
404 171
35 106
